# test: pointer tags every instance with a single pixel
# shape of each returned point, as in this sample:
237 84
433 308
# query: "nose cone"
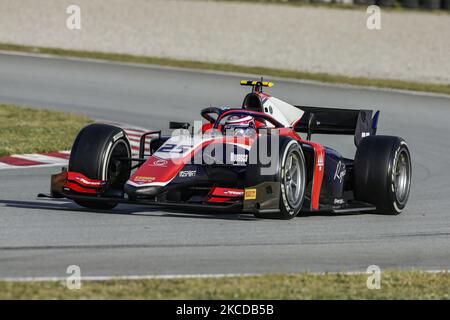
141 192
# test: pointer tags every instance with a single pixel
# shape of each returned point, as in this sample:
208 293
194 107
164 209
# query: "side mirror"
179 125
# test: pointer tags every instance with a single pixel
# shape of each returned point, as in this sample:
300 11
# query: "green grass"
27 130
394 285
260 71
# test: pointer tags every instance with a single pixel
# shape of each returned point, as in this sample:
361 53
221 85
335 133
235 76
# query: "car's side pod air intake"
319 120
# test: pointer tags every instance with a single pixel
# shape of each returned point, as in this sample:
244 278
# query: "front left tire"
290 173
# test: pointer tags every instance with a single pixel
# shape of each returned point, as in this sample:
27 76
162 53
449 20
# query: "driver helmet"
240 126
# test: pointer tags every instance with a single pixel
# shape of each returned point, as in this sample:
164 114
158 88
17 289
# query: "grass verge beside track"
27 130
394 285
322 77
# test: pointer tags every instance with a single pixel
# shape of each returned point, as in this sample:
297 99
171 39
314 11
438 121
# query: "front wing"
261 198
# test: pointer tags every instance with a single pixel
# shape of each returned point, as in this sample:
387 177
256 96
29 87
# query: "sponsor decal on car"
320 162
340 171
250 194
144 179
233 193
159 163
87 182
239 157
187 173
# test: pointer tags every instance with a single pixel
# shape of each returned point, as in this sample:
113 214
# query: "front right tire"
96 154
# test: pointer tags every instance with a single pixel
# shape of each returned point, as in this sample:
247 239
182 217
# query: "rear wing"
319 120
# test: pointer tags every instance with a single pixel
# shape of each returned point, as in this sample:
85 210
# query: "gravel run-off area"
413 46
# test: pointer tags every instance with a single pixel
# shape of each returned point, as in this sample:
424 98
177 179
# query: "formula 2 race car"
250 159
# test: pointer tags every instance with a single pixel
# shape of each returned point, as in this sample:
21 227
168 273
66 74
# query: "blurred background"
412 4
331 37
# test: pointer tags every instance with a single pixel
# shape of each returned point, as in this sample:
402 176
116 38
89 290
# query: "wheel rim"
293 179
402 177
118 171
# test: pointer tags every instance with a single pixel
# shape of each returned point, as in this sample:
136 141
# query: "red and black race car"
258 159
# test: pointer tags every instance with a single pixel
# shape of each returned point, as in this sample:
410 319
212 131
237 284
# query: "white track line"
6 166
193 276
41 158
52 165
134 277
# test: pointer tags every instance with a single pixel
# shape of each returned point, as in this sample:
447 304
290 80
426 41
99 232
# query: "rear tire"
383 173
94 154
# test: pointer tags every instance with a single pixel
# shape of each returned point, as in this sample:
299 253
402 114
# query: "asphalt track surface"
40 238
